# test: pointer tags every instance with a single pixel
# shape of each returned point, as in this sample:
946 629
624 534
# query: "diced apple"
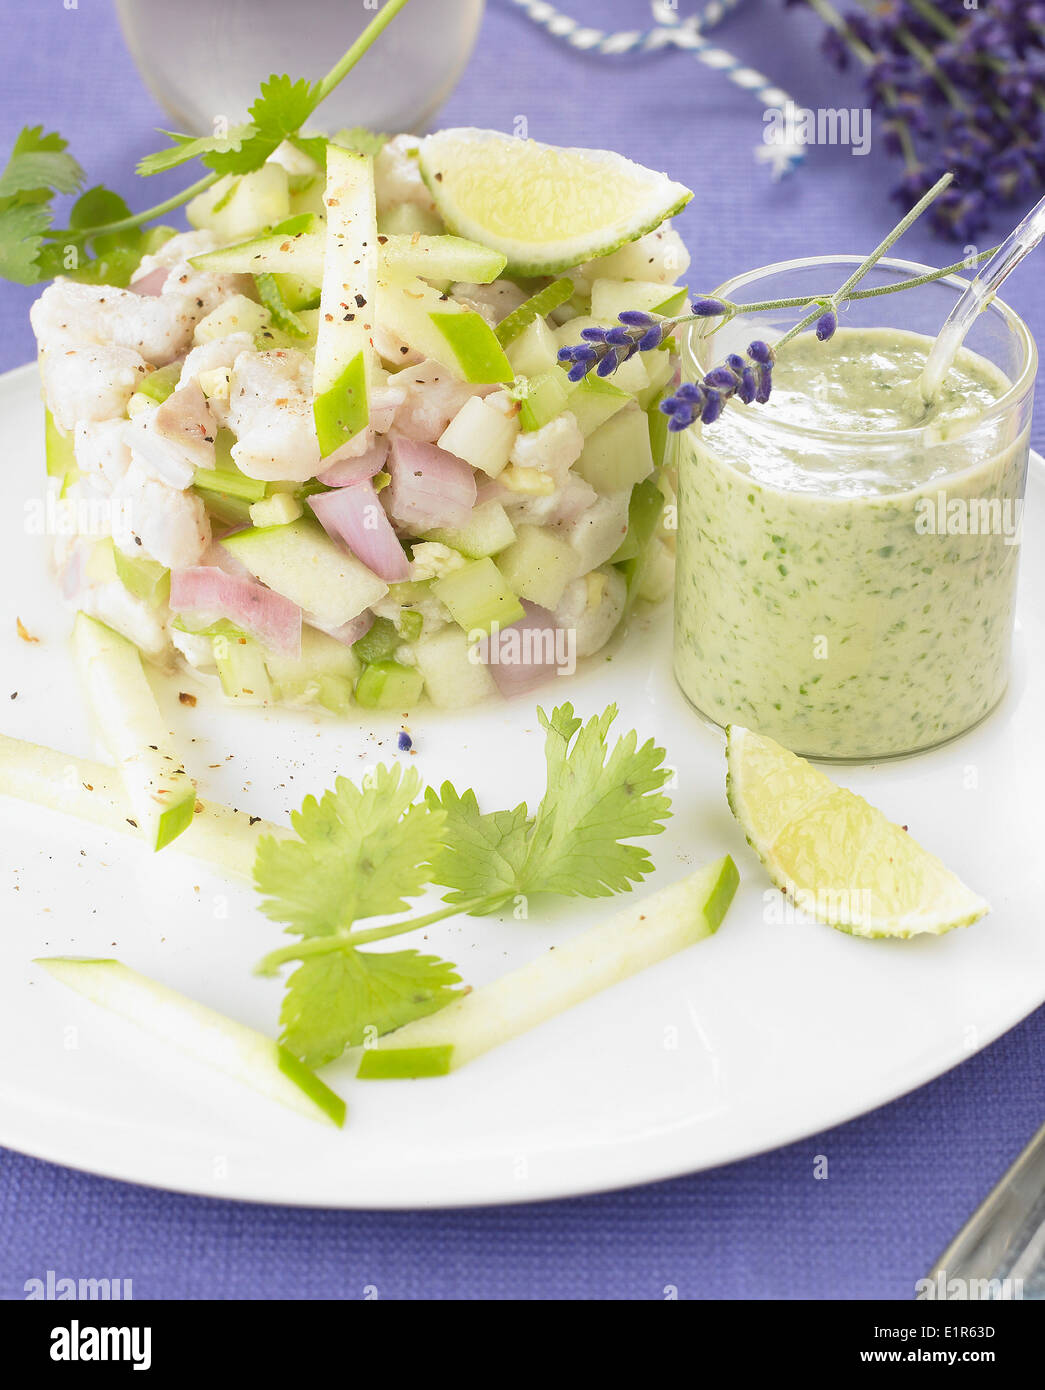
301 562
593 400
618 454
538 565
534 351
487 532
481 435
440 328
609 298
455 676
237 314
241 204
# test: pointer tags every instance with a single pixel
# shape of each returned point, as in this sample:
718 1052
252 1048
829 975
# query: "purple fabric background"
902 1179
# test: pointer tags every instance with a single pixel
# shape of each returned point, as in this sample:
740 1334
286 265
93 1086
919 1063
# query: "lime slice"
835 856
544 207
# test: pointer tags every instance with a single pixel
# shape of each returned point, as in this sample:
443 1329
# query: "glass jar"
204 59
850 593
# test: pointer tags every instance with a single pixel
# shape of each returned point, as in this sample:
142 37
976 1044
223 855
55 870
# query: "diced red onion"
266 615
152 282
355 517
520 663
345 472
429 488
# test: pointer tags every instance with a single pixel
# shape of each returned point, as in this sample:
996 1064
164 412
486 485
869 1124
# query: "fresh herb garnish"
32 249
363 852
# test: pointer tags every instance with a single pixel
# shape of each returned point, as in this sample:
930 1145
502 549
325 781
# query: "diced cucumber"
161 383
145 579
134 731
283 316
534 351
229 511
487 532
278 510
59 449
645 932
534 310
270 337
324 673
201 1033
288 253
441 258
440 328
239 205
455 677
478 597
237 314
229 482
241 667
610 298
94 792
594 400
378 643
545 398
388 685
410 624
481 435
345 357
301 562
538 565
618 454
406 219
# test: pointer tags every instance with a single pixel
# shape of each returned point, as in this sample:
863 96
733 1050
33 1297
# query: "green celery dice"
478 597
388 685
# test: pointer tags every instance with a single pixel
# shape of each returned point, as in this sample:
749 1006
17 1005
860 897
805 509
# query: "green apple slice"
645 932
546 208
301 562
345 357
440 328
201 1033
159 790
611 297
92 792
834 855
287 253
441 258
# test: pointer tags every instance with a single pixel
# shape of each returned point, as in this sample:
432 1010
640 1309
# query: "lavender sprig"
748 379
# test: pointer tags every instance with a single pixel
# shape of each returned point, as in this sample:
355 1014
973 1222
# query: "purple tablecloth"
902 1179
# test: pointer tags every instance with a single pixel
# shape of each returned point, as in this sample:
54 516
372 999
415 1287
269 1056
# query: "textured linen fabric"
901 1180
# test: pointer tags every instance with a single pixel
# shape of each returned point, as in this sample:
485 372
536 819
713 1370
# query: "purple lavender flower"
605 349
749 380
826 325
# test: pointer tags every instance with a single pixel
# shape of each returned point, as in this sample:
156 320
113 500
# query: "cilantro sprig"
104 240
363 852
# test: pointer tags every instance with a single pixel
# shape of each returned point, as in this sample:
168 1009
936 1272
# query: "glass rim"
1018 389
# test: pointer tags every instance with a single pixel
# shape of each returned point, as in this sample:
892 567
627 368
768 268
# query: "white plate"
763 1034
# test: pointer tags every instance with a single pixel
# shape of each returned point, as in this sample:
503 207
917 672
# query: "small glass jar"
204 59
850 593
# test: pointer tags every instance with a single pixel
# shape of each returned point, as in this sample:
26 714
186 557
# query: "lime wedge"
544 207
835 856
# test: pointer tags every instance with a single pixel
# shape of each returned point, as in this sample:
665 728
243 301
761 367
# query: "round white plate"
767 1032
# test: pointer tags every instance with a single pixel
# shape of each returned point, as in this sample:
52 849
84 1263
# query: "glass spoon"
976 298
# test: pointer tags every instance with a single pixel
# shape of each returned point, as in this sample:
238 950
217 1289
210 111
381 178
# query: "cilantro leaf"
484 854
188 147
332 1001
592 804
360 852
284 106
38 168
21 236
